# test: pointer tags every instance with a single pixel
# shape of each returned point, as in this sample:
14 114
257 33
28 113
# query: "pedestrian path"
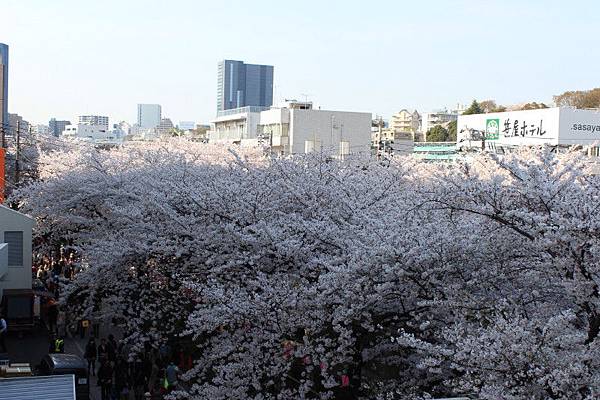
76 345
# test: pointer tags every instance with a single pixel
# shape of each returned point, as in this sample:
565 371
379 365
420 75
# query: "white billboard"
552 126
579 126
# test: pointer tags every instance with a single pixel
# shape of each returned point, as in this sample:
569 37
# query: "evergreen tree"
452 131
437 134
474 108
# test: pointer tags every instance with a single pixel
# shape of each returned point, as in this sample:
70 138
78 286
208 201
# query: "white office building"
97 134
298 128
149 115
94 120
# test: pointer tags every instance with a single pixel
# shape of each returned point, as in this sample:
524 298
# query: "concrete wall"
328 129
275 116
17 277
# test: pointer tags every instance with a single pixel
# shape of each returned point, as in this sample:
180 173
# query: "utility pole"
17 154
332 126
342 155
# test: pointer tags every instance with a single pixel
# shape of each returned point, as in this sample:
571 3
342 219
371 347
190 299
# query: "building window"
14 239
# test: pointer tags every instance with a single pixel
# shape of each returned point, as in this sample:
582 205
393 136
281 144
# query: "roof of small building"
3 208
55 387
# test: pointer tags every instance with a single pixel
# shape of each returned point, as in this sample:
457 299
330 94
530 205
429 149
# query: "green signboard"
492 129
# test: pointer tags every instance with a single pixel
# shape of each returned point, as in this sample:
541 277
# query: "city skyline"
340 55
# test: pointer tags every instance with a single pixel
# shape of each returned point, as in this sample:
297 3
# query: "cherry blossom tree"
312 278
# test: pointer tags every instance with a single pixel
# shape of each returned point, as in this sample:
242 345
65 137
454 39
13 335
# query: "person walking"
112 348
121 378
3 331
154 359
105 373
57 345
52 316
103 351
90 355
61 323
171 374
139 380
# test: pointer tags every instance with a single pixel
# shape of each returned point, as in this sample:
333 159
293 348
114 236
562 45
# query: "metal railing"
241 110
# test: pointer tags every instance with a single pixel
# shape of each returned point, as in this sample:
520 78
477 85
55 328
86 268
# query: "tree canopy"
533 106
484 107
437 134
490 106
474 108
317 279
452 131
579 98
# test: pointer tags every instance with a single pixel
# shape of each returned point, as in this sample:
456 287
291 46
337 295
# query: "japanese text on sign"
518 128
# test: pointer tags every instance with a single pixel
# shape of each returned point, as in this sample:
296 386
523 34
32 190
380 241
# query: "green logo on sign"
492 129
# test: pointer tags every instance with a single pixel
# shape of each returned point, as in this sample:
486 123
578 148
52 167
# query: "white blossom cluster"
308 278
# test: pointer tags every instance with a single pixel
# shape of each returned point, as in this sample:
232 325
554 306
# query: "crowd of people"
149 375
47 273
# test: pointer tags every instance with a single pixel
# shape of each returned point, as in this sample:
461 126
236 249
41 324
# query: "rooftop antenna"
306 96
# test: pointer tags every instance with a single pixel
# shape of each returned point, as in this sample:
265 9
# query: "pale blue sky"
70 57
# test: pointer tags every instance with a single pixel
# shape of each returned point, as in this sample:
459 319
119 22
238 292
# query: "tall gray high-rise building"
241 85
3 85
149 115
